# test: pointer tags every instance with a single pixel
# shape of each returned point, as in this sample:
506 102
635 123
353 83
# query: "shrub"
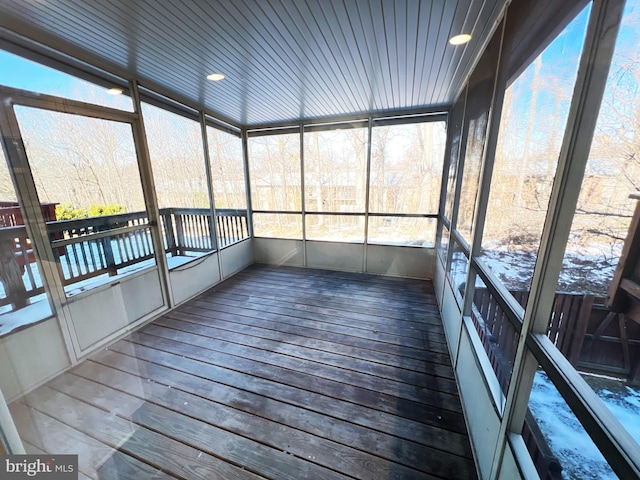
111 209
66 211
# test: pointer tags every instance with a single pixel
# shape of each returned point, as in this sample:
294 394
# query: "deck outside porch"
274 373
88 250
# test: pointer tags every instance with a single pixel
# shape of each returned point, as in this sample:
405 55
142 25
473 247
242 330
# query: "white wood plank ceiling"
284 60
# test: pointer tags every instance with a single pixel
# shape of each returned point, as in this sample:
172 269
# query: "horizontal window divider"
325 127
184 211
230 212
404 215
273 131
351 118
345 214
297 239
611 438
99 235
222 126
279 212
400 215
511 308
411 119
462 243
168 104
65 105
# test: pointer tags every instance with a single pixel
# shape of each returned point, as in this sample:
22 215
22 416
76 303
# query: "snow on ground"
622 400
588 271
584 272
578 455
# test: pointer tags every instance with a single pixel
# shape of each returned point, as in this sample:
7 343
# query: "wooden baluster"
11 274
236 235
82 246
192 232
186 234
139 242
94 259
221 235
580 329
69 275
220 232
197 232
144 235
128 247
109 258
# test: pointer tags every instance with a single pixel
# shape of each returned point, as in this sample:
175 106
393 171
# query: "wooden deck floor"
275 373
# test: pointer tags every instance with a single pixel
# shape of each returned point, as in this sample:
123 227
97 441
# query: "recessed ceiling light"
460 39
216 77
114 91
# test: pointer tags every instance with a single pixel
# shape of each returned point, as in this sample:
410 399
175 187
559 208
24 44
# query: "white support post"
247 181
303 205
149 193
367 194
212 198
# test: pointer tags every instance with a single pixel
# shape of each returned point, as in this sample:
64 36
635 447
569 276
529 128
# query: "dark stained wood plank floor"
279 373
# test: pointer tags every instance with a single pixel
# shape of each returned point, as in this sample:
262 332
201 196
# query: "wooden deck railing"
232 226
88 247
15 253
500 339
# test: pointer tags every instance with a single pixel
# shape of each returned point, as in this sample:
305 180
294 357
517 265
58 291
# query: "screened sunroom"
320 239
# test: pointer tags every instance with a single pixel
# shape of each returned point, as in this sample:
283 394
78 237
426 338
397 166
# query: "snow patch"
567 438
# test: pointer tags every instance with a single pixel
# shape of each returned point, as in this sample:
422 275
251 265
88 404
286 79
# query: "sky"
20 73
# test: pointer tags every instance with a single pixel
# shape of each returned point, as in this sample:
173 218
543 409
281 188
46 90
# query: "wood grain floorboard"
121 393
277 372
390 284
359 320
410 385
292 414
413 348
160 451
44 432
297 308
391 418
401 298
349 301
299 377
412 372
269 330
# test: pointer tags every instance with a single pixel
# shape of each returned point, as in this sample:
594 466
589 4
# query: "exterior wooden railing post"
180 243
108 256
165 215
